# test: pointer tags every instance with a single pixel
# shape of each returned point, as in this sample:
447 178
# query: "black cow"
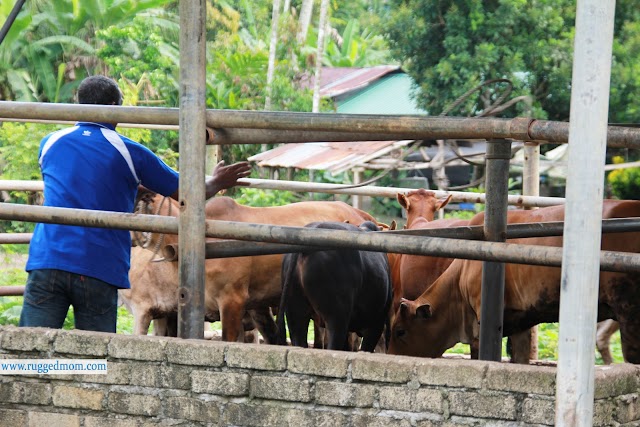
349 290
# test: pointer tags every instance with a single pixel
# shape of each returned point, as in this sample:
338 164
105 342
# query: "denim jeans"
49 293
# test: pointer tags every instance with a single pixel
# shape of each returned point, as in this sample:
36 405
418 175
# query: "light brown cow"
234 285
448 311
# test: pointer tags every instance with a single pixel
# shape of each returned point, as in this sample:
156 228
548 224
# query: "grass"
14 275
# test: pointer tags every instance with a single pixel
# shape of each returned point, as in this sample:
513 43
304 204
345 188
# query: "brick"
257 356
144 374
538 411
293 389
134 404
136 347
78 397
616 380
176 377
28 339
40 419
195 352
362 420
109 422
32 393
191 409
345 394
603 413
500 406
404 399
382 368
220 383
628 408
12 418
512 377
325 363
451 373
117 373
278 415
82 342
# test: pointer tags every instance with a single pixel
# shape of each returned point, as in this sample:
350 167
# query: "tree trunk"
322 25
275 16
306 10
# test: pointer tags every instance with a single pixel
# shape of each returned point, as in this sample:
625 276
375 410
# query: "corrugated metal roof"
340 80
392 88
334 157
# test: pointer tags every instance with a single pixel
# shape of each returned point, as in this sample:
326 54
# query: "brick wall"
155 381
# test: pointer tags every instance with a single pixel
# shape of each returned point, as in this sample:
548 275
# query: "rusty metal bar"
15 238
192 168
318 187
401 126
230 136
380 242
495 226
11 291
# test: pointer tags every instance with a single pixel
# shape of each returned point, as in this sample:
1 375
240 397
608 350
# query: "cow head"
421 204
417 330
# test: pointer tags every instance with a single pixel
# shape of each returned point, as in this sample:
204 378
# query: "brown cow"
234 285
154 297
448 311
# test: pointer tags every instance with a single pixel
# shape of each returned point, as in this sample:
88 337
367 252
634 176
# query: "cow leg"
141 323
263 320
298 319
474 349
371 337
319 336
160 327
338 335
630 338
231 313
521 347
604 331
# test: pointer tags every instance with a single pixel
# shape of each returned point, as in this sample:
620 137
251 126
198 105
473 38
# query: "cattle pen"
221 382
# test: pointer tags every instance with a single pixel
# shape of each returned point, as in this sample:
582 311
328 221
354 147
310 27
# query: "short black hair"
99 90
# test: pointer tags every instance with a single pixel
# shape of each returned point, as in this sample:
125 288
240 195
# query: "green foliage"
256 197
625 183
19 146
144 51
452 47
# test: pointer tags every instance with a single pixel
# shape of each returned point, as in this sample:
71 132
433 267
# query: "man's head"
99 90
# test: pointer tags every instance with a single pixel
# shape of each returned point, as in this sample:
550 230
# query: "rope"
143 238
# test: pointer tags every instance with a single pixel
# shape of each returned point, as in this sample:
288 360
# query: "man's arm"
223 177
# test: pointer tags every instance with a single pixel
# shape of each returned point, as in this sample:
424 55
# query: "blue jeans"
49 293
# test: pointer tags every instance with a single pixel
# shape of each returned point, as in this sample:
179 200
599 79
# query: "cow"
448 311
234 285
153 297
349 290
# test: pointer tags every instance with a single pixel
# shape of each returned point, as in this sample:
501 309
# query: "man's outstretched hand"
226 177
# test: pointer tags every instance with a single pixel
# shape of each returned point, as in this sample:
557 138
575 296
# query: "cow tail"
286 275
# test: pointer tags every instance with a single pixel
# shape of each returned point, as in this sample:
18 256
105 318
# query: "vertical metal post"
583 212
192 163
495 226
356 200
531 187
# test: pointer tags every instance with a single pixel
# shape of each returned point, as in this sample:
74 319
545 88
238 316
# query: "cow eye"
400 333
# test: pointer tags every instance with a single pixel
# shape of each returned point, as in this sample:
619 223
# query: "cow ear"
443 202
402 199
393 226
424 311
404 307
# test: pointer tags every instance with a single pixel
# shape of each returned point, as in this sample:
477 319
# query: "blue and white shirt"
91 166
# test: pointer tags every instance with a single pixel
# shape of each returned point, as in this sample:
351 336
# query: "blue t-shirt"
90 166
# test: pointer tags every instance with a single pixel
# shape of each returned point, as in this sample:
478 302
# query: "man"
90 166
